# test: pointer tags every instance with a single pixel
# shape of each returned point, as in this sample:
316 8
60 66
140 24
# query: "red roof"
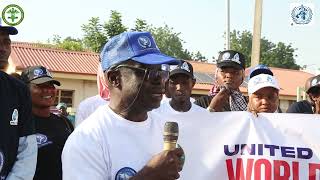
56 60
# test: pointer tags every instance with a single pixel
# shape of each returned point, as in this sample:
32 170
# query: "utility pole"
227 45
255 54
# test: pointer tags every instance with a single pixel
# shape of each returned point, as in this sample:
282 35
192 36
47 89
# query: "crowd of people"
120 136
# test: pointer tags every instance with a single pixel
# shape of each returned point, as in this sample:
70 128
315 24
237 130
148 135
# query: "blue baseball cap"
260 69
137 46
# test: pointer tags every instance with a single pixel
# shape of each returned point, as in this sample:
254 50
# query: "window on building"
65 96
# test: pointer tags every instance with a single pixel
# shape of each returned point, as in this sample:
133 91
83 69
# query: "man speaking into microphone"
122 140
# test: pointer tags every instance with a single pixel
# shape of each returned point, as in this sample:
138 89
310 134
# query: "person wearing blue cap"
18 146
122 140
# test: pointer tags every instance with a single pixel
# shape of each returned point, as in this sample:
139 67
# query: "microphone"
170 135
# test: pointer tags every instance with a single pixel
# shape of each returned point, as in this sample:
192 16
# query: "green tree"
68 43
169 42
199 57
140 25
94 35
114 26
275 55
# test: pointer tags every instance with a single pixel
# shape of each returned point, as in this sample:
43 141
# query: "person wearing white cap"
263 90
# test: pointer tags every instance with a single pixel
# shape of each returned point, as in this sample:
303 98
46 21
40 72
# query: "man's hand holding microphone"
167 164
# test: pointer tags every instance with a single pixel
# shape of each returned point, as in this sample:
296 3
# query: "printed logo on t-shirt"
14 118
125 173
1 160
42 140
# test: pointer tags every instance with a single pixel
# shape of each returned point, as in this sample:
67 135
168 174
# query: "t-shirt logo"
125 173
42 140
14 118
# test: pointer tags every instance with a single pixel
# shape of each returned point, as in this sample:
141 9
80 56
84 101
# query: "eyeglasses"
151 74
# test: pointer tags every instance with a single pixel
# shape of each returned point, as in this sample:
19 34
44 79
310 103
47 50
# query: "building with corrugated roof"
77 73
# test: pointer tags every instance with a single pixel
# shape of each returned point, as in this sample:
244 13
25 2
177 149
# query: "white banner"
239 146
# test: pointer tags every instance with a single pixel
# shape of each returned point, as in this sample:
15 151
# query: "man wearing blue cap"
18 147
123 140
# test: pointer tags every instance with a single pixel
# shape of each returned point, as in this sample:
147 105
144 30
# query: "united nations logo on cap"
144 42
185 66
301 14
226 56
314 82
37 72
125 173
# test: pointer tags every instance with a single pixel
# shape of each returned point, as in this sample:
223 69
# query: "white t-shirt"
107 146
166 109
87 107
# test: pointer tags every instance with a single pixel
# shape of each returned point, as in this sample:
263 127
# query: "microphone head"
171 129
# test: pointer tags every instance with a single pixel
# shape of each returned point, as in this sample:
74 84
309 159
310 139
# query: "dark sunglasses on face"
151 74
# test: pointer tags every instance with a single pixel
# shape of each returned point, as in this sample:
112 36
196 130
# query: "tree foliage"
274 55
140 25
114 26
169 42
94 34
199 57
68 43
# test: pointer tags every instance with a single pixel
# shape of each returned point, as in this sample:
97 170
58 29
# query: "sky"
201 22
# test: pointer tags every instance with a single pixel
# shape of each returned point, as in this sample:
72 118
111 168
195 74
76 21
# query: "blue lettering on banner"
268 150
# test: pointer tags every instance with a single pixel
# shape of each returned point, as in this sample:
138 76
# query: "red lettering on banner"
295 170
239 169
280 170
278 164
267 169
313 171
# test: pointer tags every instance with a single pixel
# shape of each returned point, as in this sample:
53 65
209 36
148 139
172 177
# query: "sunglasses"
151 74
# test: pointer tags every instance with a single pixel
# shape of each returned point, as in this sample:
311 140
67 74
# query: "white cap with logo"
260 81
